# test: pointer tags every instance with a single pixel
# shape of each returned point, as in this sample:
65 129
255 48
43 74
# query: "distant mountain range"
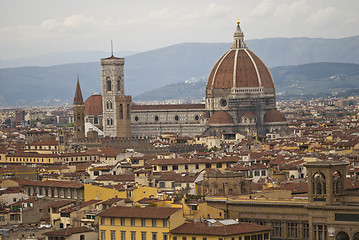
184 62
61 58
303 81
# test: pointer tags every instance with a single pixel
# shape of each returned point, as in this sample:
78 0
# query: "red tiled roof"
117 178
274 115
134 212
68 231
202 228
168 106
44 143
80 206
50 183
221 117
60 203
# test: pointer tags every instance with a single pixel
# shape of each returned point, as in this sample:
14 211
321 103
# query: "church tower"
79 114
116 106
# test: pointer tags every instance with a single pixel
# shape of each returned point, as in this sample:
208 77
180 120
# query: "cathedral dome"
274 115
93 105
239 67
220 117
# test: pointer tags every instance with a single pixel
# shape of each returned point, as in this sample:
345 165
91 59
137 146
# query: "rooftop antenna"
111 49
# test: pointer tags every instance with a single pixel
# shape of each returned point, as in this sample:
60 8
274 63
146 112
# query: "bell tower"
79 114
112 87
116 106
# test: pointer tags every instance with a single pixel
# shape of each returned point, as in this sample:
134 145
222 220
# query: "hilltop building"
240 98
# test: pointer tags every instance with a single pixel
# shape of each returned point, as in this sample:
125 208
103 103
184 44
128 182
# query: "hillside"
174 64
308 80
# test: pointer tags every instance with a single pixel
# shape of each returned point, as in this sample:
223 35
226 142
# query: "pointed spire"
78 100
238 41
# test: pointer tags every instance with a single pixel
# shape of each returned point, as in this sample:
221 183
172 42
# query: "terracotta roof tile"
134 212
68 231
202 228
220 117
168 106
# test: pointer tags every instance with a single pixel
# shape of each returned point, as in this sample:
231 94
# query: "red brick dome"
274 115
93 105
220 117
239 68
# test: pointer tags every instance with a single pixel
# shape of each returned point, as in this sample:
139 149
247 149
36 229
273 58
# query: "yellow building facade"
150 223
31 158
94 192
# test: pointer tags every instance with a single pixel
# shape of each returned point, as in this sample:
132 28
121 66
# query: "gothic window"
110 105
121 111
111 121
78 116
107 105
337 183
108 84
108 121
319 184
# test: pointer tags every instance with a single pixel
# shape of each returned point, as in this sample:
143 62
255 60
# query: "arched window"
319 184
108 84
111 121
337 183
108 121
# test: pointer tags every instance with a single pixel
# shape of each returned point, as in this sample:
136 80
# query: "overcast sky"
36 27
